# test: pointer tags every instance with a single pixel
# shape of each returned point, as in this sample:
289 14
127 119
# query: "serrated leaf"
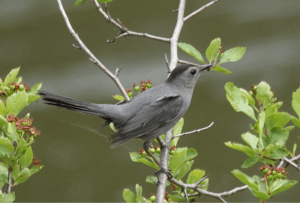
11 77
247 150
238 100
259 194
177 129
136 157
195 176
10 197
264 93
261 123
128 195
271 109
27 158
261 184
245 179
138 190
118 97
3 123
16 103
35 169
221 69
281 185
249 97
296 101
213 49
279 154
250 139
23 176
294 120
184 170
177 159
250 162
189 49
232 55
278 136
3 171
190 154
278 120
270 148
2 109
36 88
15 171
32 98
5 142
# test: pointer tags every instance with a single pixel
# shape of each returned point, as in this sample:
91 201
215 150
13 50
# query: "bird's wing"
149 119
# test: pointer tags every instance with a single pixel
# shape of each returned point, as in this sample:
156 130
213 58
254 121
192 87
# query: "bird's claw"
165 171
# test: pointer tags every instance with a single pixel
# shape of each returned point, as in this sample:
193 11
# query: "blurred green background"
79 164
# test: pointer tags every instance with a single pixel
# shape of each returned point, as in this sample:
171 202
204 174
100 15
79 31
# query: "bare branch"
291 163
200 9
285 163
194 131
91 55
118 70
77 47
9 179
167 63
123 30
189 63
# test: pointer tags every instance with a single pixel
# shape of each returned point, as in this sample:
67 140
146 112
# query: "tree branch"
91 55
194 131
123 30
189 63
200 9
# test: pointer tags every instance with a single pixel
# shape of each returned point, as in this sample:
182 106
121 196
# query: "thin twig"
9 180
194 131
167 63
291 163
189 63
200 9
123 30
91 55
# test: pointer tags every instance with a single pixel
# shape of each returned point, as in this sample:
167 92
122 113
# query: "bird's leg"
147 145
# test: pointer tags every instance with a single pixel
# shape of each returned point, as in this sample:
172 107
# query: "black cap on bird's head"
187 75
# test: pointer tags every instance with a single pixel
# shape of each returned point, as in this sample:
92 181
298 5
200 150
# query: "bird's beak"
206 67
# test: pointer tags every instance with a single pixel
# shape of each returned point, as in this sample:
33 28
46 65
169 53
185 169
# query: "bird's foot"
165 171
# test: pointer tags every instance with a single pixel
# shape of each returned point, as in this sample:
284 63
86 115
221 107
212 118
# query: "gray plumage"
147 115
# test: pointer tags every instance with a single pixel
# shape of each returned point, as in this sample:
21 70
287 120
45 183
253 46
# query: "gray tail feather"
71 104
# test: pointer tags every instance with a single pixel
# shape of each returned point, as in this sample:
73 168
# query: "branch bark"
200 9
91 55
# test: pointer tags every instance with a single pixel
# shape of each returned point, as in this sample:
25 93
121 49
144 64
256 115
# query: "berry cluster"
173 149
152 197
153 150
273 173
144 85
12 88
23 125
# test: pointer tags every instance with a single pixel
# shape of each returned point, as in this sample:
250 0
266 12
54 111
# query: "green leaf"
27 158
104 1
190 154
189 49
184 170
112 126
177 129
245 179
250 139
118 97
149 179
296 101
177 159
16 103
250 99
138 190
23 176
271 109
136 157
36 88
281 185
195 176
79 2
32 98
15 171
250 162
279 154
259 194
294 120
264 93
278 136
232 55
220 69
35 169
128 195
238 100
11 77
5 142
247 150
2 109
261 184
3 123
3 171
4 151
8 197
278 120
261 123
270 148
213 49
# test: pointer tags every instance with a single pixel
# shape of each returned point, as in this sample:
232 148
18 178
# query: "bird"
147 115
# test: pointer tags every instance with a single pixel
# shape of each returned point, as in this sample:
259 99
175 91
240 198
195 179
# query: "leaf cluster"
16 134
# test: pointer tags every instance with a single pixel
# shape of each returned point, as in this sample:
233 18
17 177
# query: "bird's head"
186 75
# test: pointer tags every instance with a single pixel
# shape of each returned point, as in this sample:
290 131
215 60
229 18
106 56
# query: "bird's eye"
193 71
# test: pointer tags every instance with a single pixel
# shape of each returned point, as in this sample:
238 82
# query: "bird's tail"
72 104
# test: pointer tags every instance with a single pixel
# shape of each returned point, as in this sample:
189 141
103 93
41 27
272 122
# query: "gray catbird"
149 114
